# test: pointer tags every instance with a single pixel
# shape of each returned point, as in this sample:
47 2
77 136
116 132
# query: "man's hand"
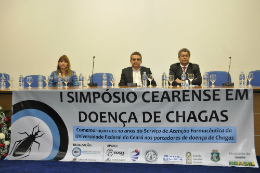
178 80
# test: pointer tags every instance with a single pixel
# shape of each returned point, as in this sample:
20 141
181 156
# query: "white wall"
35 33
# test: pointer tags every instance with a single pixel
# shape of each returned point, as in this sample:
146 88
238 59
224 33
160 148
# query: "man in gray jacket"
185 66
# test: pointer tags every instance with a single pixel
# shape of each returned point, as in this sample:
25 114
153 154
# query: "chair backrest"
256 78
97 78
221 76
35 81
6 82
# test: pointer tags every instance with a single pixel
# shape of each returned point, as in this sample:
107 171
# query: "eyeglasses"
134 59
185 56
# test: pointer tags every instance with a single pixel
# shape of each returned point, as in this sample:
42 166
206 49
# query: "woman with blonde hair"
63 67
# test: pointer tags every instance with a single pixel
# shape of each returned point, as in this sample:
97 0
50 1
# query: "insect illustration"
23 147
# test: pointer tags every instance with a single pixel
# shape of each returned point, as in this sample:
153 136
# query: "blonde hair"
64 58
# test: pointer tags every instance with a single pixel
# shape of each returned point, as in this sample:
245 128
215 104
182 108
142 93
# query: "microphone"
92 84
228 83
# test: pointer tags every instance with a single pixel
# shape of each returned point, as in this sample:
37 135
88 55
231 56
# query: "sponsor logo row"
113 154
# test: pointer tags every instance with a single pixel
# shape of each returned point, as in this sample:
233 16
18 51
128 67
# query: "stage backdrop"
162 126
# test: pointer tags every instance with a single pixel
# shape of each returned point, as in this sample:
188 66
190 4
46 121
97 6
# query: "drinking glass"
87 78
213 79
29 81
47 78
10 80
150 78
249 78
191 77
112 79
66 81
171 79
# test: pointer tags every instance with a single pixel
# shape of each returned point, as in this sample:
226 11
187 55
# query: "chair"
256 79
222 76
97 78
6 82
35 81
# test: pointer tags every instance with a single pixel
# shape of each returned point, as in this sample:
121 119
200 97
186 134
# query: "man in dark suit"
185 66
134 74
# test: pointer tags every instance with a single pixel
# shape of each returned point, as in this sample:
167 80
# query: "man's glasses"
185 56
134 59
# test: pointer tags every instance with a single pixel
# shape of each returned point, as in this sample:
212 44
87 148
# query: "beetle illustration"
24 146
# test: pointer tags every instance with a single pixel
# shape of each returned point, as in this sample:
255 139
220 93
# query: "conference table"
6 99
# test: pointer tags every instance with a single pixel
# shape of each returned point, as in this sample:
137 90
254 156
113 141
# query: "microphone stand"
92 84
228 83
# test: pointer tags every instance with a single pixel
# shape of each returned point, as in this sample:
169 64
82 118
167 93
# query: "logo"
42 134
151 156
215 156
134 154
74 159
23 147
110 152
76 152
172 158
241 163
188 158
122 153
111 145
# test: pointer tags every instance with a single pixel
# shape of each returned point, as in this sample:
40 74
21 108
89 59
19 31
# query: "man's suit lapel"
141 71
189 70
130 72
179 70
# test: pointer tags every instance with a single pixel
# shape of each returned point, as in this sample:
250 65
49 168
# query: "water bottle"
81 85
59 81
242 82
205 80
183 80
164 80
144 80
104 80
21 82
40 81
3 82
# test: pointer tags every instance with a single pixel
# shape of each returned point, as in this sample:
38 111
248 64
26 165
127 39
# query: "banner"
135 125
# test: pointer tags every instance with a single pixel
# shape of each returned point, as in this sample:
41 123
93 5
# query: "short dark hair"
135 53
183 50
